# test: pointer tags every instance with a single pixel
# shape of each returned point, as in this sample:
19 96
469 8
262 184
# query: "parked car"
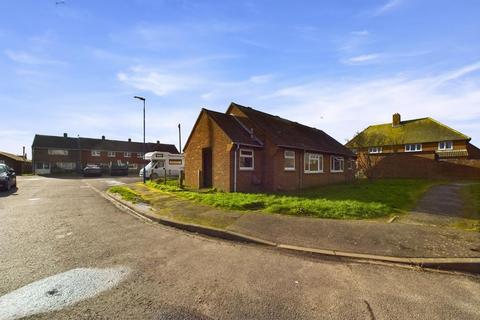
119 169
8 179
92 170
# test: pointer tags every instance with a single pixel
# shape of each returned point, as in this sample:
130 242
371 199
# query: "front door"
207 167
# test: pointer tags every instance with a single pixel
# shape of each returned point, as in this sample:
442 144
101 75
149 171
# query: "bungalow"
415 148
248 150
18 163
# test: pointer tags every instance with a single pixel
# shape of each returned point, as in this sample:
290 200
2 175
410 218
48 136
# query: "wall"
20 167
425 165
207 134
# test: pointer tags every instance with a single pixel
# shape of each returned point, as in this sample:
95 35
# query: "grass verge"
360 200
127 194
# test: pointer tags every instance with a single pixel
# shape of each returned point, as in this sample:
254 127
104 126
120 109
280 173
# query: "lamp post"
143 99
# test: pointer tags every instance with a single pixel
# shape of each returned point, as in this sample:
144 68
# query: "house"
18 163
414 148
55 154
248 150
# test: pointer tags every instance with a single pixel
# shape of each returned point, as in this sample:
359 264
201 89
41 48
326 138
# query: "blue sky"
335 65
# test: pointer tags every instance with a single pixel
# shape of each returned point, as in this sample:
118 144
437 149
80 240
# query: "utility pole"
143 99
179 138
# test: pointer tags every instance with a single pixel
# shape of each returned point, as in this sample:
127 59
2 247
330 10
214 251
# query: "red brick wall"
207 134
87 158
403 165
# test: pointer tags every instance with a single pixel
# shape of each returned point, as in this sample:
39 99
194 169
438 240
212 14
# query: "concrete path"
443 200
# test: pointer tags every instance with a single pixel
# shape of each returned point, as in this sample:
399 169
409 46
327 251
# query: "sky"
74 66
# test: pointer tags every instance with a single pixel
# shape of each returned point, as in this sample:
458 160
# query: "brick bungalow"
18 163
418 148
248 150
54 154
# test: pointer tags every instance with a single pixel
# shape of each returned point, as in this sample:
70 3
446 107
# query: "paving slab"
369 237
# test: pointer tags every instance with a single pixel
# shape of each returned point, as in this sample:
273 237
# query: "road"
119 267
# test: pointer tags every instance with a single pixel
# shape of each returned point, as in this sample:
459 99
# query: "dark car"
119 170
8 178
92 170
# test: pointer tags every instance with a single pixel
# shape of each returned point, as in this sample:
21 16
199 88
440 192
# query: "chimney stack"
396 120
129 140
23 153
65 135
158 141
103 137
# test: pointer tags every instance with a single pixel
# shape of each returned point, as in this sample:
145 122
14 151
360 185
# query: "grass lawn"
471 196
359 200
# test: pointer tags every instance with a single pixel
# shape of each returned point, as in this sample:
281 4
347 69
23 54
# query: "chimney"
396 120
129 140
103 137
23 153
158 141
65 135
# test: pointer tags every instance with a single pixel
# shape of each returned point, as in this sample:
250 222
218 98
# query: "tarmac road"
68 253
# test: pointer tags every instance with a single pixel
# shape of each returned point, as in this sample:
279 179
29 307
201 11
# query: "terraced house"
56 154
248 150
415 148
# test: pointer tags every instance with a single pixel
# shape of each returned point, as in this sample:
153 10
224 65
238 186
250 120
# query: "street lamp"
143 99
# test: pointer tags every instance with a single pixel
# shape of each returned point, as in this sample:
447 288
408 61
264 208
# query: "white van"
161 163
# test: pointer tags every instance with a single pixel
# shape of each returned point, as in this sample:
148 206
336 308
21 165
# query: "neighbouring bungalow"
18 163
247 150
423 148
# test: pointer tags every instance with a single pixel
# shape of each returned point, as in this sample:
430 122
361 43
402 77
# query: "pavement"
402 238
63 237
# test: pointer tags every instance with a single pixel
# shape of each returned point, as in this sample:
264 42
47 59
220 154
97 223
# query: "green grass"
359 200
127 194
471 196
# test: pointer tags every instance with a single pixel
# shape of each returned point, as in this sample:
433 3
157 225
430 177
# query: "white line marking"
34 199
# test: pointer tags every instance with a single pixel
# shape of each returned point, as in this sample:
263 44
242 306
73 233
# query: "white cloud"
28 58
351 105
387 7
157 81
367 58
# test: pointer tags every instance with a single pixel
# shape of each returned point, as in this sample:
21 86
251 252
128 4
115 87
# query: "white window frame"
415 145
289 154
112 154
57 152
309 156
96 153
127 154
445 146
342 164
350 164
252 156
139 155
373 150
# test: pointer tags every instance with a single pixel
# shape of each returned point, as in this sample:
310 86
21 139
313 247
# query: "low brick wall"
425 166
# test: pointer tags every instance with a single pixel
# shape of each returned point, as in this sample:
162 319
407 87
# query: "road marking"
59 291
34 199
114 182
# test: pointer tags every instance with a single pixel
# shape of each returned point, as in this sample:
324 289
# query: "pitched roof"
60 142
421 130
233 128
12 156
286 133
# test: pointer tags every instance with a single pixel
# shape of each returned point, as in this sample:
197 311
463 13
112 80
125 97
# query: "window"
96 153
289 160
375 150
66 165
42 165
127 154
413 147
175 162
336 164
58 152
112 154
139 155
313 163
445 145
246 159
132 166
350 164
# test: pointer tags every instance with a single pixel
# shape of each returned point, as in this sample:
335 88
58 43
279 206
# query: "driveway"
81 258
